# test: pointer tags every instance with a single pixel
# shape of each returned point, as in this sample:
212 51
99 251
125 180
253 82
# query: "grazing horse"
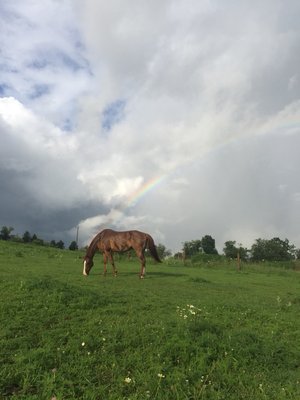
109 241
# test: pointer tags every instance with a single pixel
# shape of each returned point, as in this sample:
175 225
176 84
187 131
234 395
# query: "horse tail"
152 248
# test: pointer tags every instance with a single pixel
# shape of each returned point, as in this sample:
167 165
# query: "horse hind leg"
105 264
111 259
143 264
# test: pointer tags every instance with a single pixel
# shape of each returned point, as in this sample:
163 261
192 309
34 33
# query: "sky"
178 118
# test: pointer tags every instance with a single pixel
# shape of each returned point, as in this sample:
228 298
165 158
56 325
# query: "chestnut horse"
109 241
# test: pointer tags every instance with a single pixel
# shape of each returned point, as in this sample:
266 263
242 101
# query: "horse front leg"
111 259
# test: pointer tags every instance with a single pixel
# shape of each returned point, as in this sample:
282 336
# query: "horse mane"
91 250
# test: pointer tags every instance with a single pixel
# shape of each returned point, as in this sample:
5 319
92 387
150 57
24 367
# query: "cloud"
40 60
39 167
110 97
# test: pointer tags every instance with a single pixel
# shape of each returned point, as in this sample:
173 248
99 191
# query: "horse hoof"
141 276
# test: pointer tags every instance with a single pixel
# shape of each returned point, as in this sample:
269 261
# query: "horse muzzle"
84 272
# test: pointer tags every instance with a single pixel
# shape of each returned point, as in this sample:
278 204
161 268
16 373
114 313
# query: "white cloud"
109 96
33 145
42 61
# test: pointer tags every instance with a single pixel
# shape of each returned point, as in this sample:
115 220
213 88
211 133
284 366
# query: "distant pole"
77 235
238 261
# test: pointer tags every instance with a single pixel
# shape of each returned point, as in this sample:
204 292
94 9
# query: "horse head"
87 265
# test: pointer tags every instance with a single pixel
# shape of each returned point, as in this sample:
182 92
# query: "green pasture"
194 331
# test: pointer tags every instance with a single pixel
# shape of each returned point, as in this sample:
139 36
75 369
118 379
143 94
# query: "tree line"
274 249
6 234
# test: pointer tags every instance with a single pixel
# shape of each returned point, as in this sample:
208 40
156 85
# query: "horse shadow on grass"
149 275
164 274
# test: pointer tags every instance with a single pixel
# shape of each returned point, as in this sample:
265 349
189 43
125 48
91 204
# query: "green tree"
38 241
231 250
60 244
243 252
27 237
258 250
16 239
73 246
178 255
208 245
5 233
192 247
272 250
162 251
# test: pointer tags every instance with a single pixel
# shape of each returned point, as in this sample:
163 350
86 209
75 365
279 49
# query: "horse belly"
120 245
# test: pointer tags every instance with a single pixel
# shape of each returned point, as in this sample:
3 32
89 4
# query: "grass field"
184 332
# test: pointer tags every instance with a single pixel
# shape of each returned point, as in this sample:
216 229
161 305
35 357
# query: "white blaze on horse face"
84 268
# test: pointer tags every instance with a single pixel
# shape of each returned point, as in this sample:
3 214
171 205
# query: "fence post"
238 261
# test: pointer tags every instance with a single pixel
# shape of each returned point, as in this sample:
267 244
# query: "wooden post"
238 261
77 235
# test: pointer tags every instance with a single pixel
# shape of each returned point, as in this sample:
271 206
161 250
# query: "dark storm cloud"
21 210
205 95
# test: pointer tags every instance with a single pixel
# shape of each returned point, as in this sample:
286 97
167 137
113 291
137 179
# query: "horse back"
111 240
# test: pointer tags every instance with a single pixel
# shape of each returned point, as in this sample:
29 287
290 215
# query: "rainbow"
143 190
116 215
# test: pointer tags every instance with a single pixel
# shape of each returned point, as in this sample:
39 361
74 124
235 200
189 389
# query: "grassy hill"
198 331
